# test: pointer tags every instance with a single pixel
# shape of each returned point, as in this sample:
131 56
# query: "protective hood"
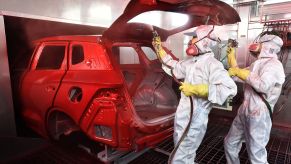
271 45
212 12
202 32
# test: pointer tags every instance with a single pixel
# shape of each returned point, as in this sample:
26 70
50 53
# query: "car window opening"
51 57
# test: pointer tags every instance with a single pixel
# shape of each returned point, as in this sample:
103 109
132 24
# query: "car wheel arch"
58 122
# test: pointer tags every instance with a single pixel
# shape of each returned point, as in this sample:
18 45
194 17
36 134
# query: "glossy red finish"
79 83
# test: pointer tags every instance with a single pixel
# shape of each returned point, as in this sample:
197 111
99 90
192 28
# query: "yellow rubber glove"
200 90
231 57
157 44
241 73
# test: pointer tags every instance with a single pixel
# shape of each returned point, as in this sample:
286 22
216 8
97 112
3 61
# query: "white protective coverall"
253 123
202 69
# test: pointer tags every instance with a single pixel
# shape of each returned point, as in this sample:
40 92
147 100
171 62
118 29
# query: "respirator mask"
192 49
255 49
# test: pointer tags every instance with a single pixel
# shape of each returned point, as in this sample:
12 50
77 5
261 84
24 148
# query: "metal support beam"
109 155
242 55
130 157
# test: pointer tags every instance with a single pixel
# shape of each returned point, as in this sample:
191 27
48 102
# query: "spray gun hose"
191 114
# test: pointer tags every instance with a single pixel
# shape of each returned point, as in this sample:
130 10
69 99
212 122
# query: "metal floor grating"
151 157
211 150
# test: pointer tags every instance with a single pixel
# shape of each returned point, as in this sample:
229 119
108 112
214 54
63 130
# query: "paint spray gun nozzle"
232 43
155 34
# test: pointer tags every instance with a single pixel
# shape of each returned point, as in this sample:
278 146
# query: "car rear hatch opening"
151 90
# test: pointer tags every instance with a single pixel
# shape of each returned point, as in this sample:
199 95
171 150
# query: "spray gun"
156 37
232 43
231 59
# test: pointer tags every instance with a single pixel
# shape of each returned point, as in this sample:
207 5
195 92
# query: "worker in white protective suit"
206 80
264 80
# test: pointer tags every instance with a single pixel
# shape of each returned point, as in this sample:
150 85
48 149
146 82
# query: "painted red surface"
105 100
90 92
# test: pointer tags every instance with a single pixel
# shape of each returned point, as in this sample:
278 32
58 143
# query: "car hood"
214 12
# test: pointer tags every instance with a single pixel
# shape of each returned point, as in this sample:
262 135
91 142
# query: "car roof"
82 38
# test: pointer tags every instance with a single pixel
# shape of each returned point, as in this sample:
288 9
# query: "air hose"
191 108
